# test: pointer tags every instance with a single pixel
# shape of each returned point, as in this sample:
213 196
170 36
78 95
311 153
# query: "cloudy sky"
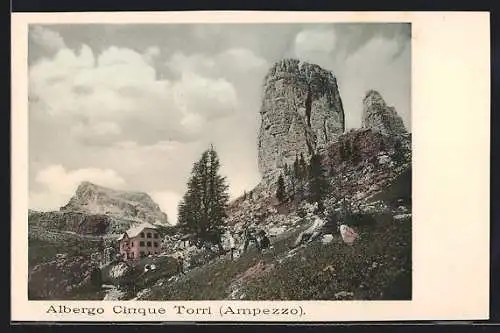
133 106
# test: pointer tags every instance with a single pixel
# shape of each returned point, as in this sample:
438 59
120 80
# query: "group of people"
249 235
258 237
261 240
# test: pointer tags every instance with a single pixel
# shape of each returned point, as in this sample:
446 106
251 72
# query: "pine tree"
280 191
218 194
345 151
382 146
317 181
296 170
355 155
302 167
202 210
398 155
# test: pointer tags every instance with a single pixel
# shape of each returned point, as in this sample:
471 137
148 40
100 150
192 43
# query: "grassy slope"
44 245
378 266
368 269
212 281
399 189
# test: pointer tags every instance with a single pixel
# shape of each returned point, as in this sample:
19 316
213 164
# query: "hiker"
180 264
262 241
249 236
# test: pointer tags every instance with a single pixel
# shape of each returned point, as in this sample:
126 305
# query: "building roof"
122 236
136 230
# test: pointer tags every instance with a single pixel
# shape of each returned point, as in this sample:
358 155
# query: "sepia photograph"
222 161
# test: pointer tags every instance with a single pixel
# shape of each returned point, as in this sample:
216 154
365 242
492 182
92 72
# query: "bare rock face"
380 117
301 113
98 200
77 222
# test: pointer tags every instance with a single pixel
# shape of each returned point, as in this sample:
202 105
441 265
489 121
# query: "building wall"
146 243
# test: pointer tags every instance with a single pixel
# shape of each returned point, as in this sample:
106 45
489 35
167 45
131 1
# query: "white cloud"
47 39
119 92
241 60
315 46
230 63
373 67
151 130
168 202
216 97
60 184
315 40
96 130
152 53
195 63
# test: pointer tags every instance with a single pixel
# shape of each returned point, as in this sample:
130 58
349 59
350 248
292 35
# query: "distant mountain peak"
97 199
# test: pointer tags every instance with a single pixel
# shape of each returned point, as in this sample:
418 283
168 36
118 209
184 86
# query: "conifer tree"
302 167
280 191
202 210
317 181
355 155
398 156
382 146
345 151
296 171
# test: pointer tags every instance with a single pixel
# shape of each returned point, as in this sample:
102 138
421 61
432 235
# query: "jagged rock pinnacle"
380 117
301 113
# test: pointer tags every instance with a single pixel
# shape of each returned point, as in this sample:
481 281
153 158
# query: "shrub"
359 220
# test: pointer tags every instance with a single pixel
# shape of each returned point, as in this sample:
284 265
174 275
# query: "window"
142 235
131 255
156 235
149 235
156 244
148 243
131 244
141 243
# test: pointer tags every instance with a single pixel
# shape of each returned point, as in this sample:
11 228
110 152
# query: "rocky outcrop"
77 222
362 162
380 117
365 144
301 113
98 200
359 163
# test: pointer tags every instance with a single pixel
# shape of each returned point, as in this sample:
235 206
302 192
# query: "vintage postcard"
232 166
